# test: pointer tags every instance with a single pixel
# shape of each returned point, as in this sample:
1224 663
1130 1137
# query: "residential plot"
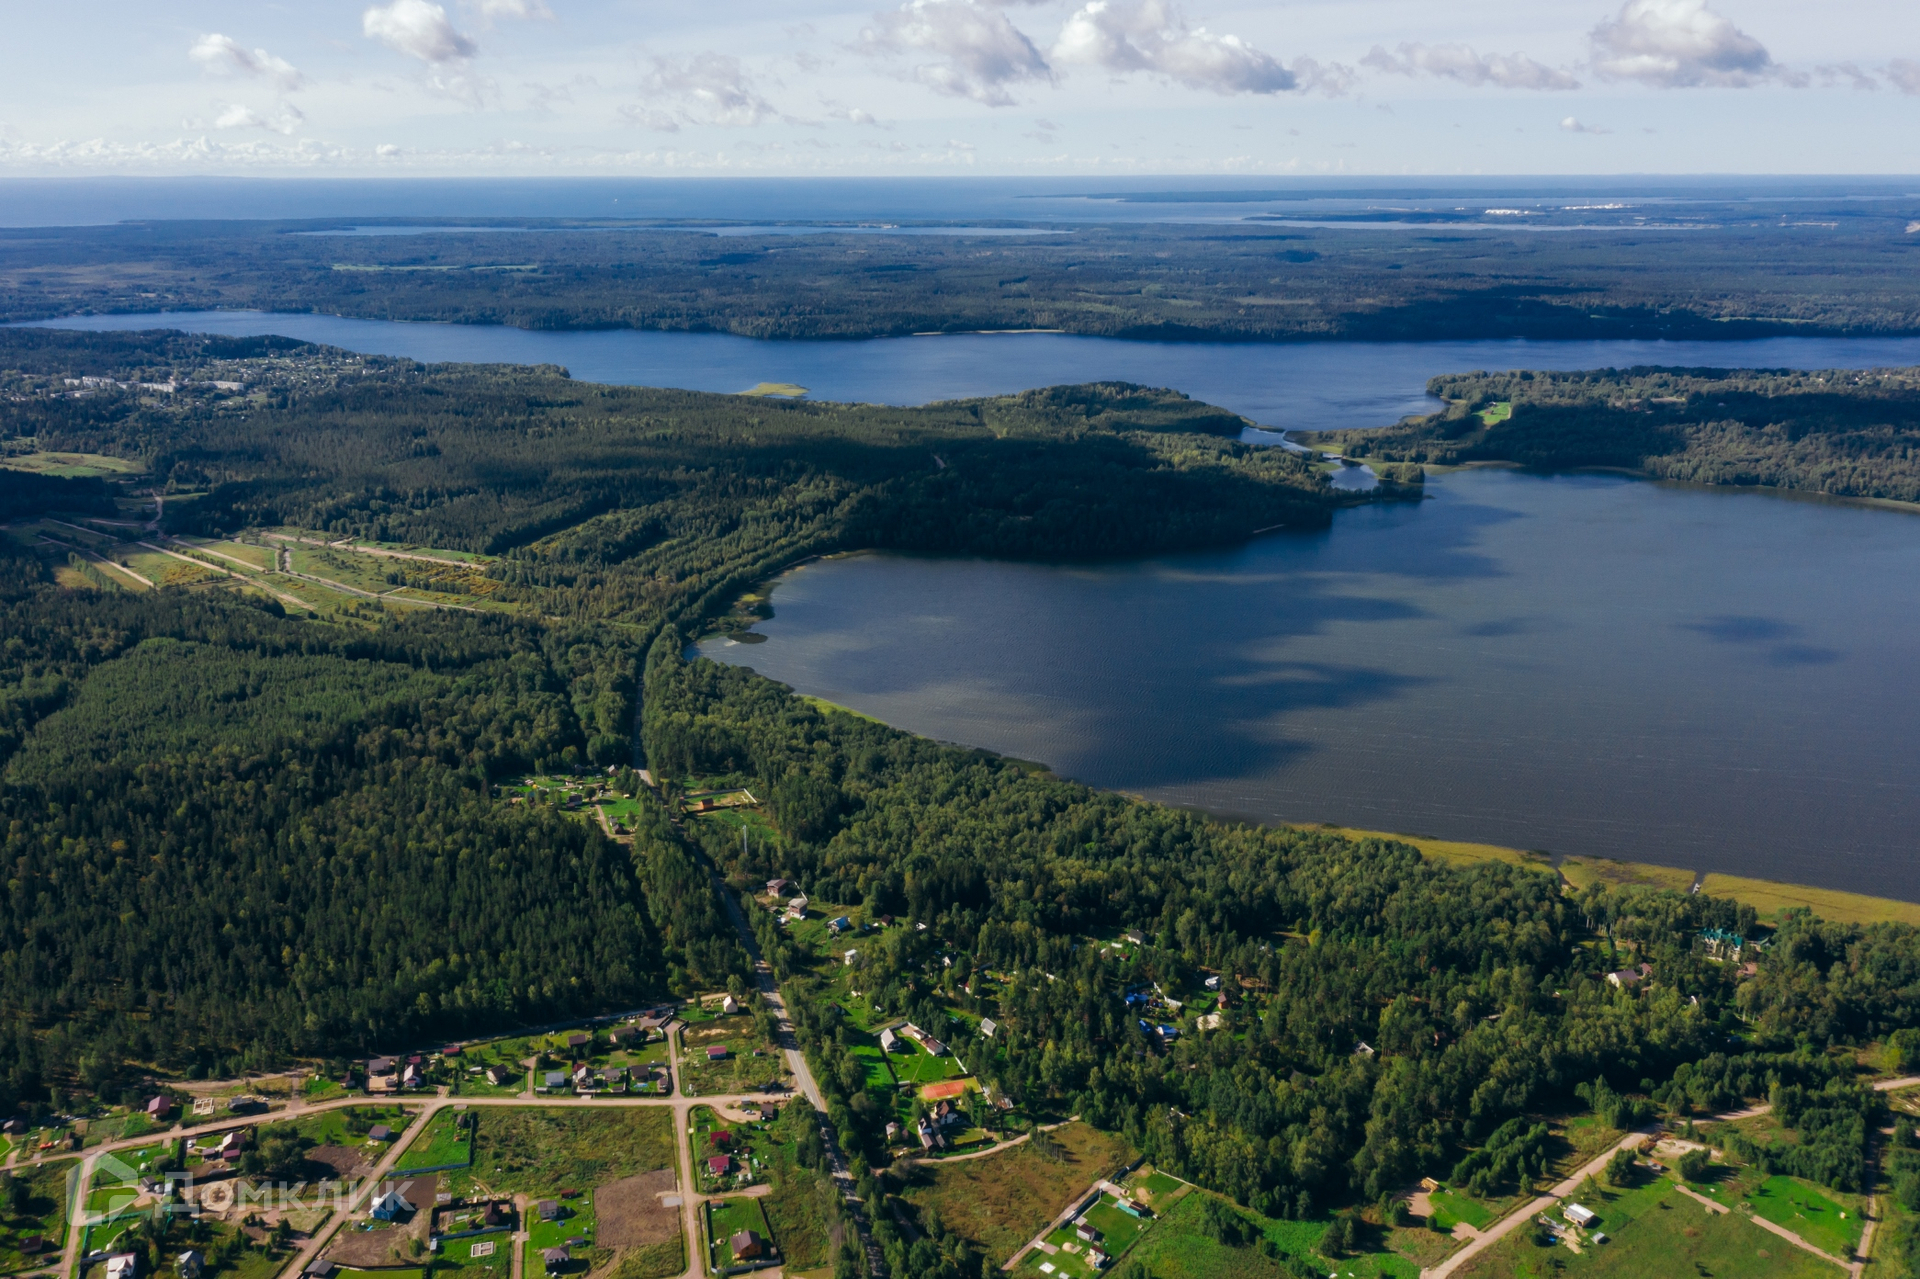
446 1142
727 1055
33 1214
738 1236
997 1203
1652 1229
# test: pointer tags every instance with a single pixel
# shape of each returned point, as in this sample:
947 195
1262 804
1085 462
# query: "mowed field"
999 1202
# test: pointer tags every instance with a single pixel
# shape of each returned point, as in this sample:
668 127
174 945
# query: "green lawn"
349 1125
447 1139
1653 1230
911 1065
724 1217
44 1214
1180 1246
577 1221
1450 1208
1810 1212
740 1071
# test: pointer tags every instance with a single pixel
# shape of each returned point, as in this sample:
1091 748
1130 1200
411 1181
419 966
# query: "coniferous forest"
236 835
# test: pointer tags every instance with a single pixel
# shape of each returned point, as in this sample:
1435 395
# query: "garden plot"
746 1063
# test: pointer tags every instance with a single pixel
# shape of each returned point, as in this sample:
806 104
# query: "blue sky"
624 87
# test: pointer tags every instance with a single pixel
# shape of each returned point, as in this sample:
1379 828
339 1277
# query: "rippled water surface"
1586 664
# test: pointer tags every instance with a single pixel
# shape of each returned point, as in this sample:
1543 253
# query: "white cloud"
418 28
981 52
1150 35
514 9
1674 44
223 55
1460 62
1573 125
1905 74
710 88
239 117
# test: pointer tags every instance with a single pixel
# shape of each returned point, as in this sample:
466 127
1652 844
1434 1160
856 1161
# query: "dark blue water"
1699 678
1305 386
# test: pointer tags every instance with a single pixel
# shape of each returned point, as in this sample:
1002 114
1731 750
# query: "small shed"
380 1132
1579 1214
717 1052
987 1026
320 1268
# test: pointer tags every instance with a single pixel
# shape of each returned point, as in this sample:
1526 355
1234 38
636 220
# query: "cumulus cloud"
418 28
979 51
708 88
238 117
1675 44
223 55
1150 35
1460 62
1905 75
1573 125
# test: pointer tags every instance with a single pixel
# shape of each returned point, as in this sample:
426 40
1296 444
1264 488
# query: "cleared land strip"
251 581
389 597
101 560
372 550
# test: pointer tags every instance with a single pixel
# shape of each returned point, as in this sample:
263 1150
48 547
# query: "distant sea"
26 202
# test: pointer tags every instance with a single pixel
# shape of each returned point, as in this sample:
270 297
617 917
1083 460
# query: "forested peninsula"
1843 432
242 831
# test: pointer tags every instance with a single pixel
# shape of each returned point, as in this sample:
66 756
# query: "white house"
987 1026
1579 1215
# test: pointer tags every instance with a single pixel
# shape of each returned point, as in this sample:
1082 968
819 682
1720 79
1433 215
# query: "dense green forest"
235 836
1840 431
1478 991
1715 269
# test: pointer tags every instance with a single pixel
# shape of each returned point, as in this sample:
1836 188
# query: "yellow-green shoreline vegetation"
824 706
779 390
1456 852
1583 872
1770 899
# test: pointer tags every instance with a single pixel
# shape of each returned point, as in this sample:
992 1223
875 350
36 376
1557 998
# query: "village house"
719 1165
729 1005
190 1264
319 1268
797 908
556 1079
1627 978
1579 1215
850 956
555 1259
549 1210
382 1075
716 1052
987 1026
926 1041
578 1040
160 1108
747 1245
778 887
123 1265
889 1042
391 1207
380 1132
498 1075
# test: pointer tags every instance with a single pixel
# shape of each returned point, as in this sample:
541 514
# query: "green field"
1450 1208
542 1150
1180 1246
1653 1229
1809 1211
71 465
349 1125
447 1139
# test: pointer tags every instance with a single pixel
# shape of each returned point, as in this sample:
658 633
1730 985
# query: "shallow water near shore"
1589 664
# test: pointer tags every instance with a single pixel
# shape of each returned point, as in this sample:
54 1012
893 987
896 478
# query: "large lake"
1309 386
1583 664
1712 679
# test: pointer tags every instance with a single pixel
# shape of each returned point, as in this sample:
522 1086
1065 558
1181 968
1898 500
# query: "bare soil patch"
361 1249
347 1163
631 1214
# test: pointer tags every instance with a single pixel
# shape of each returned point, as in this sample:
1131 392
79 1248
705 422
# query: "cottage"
320 1268
1086 1230
556 1079
849 957
621 1034
893 1132
33 1245
778 887
729 1005
720 1140
1212 983
1097 1259
987 1026
747 1245
555 1259
717 1052
926 1041
380 1132
719 1165
889 1042
549 1209
495 1215
190 1264
1363 1049
123 1265
1626 978
839 924
391 1207
1579 1214
160 1108
411 1076
797 908
498 1076
14 1126
380 1066
579 1039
